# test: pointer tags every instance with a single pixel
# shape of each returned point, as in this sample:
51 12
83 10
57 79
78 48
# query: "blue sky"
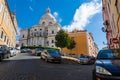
71 14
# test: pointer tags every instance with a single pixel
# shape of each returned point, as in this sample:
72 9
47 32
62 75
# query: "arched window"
43 23
50 22
48 43
35 29
52 41
52 32
23 36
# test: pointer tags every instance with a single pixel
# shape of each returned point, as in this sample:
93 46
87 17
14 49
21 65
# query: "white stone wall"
24 33
23 43
50 41
23 37
42 33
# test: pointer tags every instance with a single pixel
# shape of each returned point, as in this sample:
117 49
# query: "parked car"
38 51
51 56
28 50
33 51
92 59
107 65
84 59
24 50
17 50
12 51
4 50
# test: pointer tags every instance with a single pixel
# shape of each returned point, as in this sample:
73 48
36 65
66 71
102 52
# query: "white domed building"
42 34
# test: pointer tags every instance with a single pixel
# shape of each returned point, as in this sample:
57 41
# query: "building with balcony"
111 17
42 34
84 44
8 25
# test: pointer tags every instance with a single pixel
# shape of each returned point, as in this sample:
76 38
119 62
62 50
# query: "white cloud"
60 20
31 8
83 15
56 15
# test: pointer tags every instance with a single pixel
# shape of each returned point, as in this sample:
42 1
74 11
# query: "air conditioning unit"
104 29
106 23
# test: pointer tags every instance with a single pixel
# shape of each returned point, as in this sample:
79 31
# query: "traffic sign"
115 40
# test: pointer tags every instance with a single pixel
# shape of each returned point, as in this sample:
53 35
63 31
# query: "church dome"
47 18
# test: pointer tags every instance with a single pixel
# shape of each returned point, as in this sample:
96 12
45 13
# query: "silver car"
12 51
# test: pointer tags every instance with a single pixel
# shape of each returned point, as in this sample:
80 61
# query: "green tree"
62 39
71 44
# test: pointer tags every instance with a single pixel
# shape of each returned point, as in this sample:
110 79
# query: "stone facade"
42 34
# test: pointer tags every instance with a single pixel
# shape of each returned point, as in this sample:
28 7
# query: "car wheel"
8 56
0 58
41 57
46 60
59 62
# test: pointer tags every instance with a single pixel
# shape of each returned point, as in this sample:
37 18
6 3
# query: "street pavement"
27 67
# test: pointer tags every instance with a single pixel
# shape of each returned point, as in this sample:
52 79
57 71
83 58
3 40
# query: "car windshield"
53 52
83 56
109 54
0 47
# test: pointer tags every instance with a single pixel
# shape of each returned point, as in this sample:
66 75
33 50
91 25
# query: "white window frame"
5 15
1 7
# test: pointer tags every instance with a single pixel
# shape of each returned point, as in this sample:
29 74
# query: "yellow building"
84 44
117 17
8 25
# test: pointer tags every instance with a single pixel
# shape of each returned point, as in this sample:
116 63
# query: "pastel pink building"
107 27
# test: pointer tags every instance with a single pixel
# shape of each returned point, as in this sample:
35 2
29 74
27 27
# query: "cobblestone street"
27 67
